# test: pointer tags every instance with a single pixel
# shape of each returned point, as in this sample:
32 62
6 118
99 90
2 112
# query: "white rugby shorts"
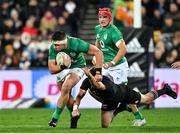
118 74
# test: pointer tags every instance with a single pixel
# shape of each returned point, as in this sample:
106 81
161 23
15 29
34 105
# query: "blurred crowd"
164 18
26 27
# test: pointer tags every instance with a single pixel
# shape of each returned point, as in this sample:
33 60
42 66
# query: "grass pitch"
36 120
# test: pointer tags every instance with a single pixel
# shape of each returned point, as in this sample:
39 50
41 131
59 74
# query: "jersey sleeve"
83 46
96 29
107 82
116 36
52 53
97 33
85 84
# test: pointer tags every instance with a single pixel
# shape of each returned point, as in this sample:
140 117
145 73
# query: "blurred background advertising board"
35 84
171 76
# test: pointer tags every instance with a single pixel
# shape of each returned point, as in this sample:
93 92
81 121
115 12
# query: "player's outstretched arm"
96 84
77 102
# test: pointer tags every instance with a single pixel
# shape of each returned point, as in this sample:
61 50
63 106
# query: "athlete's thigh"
106 118
70 81
106 113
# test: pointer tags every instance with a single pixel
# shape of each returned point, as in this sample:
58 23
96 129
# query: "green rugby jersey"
76 48
107 39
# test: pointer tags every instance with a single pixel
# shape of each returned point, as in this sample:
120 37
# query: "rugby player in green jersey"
110 40
67 78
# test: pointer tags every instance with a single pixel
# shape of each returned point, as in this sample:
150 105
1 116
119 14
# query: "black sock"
70 109
158 93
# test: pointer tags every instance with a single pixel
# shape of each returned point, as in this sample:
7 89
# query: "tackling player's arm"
96 85
76 104
94 82
79 97
84 87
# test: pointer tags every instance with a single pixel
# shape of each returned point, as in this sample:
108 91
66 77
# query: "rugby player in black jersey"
110 95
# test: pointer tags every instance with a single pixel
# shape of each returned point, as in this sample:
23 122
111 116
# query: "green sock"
57 113
138 115
70 109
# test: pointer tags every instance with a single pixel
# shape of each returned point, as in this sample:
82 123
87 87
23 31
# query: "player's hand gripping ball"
63 59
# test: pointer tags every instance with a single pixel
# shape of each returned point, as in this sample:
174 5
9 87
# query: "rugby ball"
61 58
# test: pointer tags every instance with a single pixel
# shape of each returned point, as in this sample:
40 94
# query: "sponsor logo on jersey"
105 36
134 46
72 54
135 71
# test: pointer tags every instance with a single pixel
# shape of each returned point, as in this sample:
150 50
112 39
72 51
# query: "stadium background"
26 27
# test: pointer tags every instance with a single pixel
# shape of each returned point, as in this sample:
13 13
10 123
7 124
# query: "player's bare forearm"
96 85
53 67
79 97
94 51
76 104
99 59
121 52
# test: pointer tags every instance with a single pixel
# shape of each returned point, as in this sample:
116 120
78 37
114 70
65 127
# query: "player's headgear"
59 37
105 12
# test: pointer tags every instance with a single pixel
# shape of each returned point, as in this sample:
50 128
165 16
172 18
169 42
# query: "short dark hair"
58 35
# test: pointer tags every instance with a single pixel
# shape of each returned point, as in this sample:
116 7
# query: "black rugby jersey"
113 92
